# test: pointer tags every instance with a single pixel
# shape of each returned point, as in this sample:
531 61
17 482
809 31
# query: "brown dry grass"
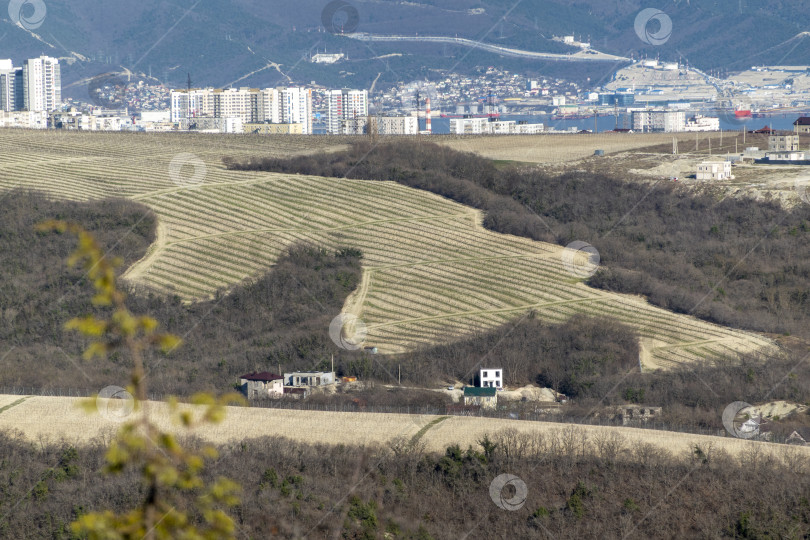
563 148
60 418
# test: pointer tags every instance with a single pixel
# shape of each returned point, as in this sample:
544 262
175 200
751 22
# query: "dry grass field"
58 418
431 272
563 148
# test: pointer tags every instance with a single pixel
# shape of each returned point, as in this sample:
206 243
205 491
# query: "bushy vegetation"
281 318
577 487
732 261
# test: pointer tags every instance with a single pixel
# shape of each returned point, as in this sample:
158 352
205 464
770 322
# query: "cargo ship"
743 113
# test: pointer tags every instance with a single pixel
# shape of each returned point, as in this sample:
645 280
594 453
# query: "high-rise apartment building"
12 95
295 107
42 84
277 105
346 109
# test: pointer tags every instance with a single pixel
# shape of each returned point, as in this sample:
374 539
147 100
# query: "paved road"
580 56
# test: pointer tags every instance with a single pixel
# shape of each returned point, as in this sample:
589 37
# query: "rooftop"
475 391
264 376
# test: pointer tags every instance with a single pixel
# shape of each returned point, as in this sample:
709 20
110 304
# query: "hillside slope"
431 272
220 42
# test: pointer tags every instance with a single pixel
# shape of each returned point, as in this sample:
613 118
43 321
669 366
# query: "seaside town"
646 96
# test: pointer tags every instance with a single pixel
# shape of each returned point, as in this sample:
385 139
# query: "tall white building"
346 108
291 105
659 120
12 95
42 84
295 107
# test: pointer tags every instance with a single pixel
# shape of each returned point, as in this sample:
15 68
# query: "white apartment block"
294 107
397 125
250 105
42 84
476 126
469 126
659 120
346 108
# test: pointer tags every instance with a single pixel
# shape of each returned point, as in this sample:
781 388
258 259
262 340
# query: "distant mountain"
266 42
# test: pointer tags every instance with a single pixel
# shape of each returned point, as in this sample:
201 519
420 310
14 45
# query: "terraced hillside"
431 272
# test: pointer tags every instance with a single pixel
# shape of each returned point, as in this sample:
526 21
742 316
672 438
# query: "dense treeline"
732 261
576 487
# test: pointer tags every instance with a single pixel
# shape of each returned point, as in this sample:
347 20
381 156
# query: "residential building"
714 170
397 125
24 119
295 107
42 84
347 111
292 105
468 126
782 142
268 128
210 124
486 398
12 94
309 378
261 385
476 126
659 120
802 124
491 378
191 103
